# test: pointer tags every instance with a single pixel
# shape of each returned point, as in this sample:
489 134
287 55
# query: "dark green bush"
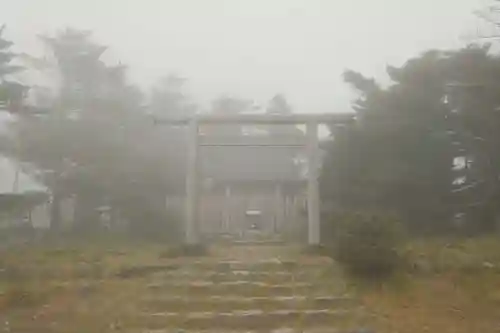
368 245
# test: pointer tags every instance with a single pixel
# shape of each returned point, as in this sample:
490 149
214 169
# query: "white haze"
252 48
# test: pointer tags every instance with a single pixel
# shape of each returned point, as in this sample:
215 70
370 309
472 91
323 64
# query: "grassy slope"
456 289
68 287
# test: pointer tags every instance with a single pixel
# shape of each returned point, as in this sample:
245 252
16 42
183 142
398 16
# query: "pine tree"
11 93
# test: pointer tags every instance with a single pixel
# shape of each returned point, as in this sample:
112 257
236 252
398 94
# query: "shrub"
368 245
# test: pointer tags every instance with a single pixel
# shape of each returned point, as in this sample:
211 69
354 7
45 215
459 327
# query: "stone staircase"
244 290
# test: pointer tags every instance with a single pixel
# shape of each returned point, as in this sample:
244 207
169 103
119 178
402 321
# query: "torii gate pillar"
192 228
313 200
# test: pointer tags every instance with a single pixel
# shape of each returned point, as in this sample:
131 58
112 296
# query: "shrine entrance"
194 181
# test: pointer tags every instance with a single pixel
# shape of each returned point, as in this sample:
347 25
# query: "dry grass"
61 289
457 291
451 254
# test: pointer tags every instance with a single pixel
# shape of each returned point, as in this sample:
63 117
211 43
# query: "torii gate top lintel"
277 119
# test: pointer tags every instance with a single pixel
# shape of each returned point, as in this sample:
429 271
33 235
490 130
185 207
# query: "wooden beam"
270 145
253 141
323 118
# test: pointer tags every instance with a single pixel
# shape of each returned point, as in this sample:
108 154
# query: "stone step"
236 273
255 319
224 304
277 330
44 329
276 277
243 288
257 265
264 242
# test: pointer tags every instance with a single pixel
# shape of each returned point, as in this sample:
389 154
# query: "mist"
249 166
253 49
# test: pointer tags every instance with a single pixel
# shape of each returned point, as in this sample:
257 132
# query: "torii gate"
192 228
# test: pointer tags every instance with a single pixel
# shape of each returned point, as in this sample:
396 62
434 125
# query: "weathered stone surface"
246 292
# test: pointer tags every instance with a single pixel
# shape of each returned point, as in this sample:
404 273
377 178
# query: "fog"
252 49
250 166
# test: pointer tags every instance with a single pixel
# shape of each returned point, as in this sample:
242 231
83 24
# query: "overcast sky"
253 48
